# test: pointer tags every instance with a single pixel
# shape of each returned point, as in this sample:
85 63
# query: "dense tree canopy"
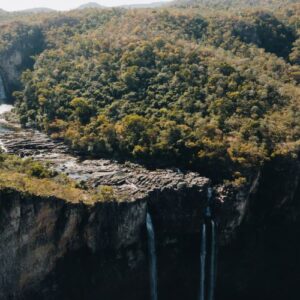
179 87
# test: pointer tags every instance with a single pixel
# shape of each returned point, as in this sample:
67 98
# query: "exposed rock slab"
132 180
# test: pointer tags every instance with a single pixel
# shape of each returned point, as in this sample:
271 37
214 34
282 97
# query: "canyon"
188 116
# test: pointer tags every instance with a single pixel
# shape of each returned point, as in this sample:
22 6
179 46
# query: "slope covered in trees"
235 4
182 87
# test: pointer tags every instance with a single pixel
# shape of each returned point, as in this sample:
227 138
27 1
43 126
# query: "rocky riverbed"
129 178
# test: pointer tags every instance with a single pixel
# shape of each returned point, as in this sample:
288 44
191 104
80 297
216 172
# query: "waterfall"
208 285
202 262
152 258
212 279
209 194
2 90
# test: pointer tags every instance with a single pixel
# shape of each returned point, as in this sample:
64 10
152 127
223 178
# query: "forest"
211 87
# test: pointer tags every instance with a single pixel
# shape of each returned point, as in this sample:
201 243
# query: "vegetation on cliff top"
185 87
29 176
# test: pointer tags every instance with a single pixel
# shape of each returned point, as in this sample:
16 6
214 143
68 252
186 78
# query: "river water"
5 108
152 257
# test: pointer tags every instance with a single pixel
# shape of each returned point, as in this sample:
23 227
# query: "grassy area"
27 175
42 187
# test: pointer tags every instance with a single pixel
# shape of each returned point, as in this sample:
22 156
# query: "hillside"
38 10
178 87
90 5
236 4
151 153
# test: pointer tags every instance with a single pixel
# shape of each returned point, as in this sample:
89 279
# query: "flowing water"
4 107
211 290
209 194
208 260
202 262
152 258
3 126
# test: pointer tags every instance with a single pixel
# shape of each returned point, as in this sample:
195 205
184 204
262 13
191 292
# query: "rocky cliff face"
258 245
18 57
51 249
10 71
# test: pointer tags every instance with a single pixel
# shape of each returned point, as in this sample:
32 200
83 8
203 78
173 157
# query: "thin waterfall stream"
208 259
152 257
211 290
202 262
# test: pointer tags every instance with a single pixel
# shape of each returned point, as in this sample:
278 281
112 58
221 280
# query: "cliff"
18 55
54 249
10 72
258 245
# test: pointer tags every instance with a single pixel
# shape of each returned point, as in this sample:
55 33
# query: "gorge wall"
11 67
51 249
18 57
259 246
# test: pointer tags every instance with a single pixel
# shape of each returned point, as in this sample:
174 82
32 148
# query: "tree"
82 109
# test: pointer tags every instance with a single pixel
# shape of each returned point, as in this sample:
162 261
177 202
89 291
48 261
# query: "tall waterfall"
209 194
2 90
152 258
212 279
202 262
208 260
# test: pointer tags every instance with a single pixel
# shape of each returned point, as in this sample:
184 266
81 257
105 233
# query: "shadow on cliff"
113 273
263 261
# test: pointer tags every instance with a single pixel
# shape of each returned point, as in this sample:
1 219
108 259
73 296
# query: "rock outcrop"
131 180
18 57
